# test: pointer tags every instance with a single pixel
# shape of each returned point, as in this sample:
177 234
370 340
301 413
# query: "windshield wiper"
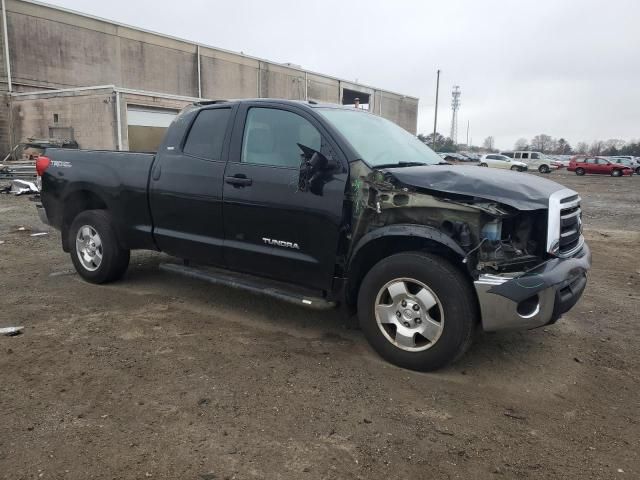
402 164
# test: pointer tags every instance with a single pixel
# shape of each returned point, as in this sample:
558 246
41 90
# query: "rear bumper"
535 299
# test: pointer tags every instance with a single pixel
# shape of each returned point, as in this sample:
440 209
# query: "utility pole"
435 117
467 133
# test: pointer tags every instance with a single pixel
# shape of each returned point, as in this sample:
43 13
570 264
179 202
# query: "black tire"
638 171
484 165
543 169
580 171
456 299
616 173
114 260
515 167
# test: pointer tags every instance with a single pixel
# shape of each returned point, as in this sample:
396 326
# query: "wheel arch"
74 203
386 241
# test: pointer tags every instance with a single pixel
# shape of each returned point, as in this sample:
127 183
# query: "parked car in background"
495 160
629 161
458 158
598 165
534 160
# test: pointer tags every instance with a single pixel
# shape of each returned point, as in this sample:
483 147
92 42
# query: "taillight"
42 163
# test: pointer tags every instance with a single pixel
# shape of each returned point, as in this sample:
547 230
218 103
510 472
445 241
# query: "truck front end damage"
521 244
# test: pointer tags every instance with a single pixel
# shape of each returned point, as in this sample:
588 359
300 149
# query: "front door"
185 189
272 228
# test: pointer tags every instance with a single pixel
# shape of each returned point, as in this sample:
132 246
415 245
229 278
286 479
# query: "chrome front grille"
564 230
570 225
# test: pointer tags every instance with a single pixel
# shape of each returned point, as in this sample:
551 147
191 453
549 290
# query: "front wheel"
515 168
544 169
95 251
484 165
638 171
417 310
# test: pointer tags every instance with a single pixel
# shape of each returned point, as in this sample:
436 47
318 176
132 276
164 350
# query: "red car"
597 165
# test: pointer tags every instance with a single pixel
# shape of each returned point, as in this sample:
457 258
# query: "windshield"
378 141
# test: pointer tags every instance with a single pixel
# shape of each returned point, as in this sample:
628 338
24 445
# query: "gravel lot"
157 376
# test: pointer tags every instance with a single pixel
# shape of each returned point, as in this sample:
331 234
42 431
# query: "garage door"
146 127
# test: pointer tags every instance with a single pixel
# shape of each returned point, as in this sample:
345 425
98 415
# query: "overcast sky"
565 68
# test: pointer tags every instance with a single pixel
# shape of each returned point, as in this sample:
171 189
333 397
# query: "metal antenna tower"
455 105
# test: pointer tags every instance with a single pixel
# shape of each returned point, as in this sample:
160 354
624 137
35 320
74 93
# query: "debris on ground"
11 331
39 234
511 414
20 187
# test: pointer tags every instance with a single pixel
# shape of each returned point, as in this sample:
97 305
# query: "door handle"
238 180
157 170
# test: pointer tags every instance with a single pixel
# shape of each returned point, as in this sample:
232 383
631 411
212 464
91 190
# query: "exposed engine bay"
495 237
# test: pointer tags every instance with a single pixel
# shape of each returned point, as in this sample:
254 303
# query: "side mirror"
315 170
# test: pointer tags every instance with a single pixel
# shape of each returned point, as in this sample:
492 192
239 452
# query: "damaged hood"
518 190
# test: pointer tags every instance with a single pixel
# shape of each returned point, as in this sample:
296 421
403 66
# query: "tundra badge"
280 243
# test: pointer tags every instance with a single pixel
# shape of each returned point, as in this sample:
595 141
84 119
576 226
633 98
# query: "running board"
250 284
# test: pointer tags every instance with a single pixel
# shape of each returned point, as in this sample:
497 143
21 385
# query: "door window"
535 156
206 136
271 137
518 155
525 156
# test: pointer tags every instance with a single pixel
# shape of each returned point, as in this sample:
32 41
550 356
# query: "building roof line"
194 43
113 88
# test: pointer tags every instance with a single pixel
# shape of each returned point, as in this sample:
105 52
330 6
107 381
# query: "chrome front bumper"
536 298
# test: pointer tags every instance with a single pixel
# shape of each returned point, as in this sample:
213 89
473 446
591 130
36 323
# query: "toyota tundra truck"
326 206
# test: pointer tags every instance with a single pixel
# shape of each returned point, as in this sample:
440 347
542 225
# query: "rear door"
271 228
185 191
602 166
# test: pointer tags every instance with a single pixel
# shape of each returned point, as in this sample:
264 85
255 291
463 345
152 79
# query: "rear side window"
525 155
271 137
206 136
535 156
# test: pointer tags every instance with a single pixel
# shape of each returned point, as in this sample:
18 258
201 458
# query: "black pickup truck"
325 205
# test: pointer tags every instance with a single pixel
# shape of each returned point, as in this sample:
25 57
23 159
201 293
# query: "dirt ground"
157 376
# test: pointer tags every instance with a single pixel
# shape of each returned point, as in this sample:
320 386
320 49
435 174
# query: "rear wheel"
579 171
95 251
638 171
616 173
543 169
417 310
484 165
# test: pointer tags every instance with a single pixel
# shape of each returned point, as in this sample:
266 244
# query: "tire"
616 173
426 278
484 165
515 167
543 169
638 171
580 171
94 248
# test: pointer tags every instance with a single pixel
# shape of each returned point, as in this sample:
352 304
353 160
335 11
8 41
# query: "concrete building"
71 76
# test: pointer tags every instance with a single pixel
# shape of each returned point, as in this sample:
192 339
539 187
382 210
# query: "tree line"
559 146
541 143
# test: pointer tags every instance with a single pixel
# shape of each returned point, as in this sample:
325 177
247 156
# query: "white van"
535 160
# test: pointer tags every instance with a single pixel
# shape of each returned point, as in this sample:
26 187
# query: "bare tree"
582 148
562 147
489 143
596 147
542 143
521 144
